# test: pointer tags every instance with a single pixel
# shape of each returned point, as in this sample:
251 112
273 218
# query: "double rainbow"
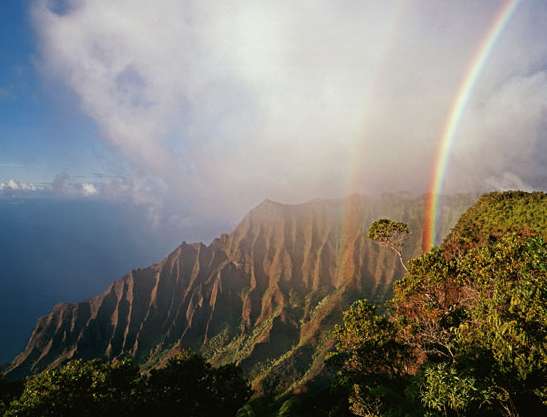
456 111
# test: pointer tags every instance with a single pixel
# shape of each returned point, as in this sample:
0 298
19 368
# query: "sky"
199 109
42 134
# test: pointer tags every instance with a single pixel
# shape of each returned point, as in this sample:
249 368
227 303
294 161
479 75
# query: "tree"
390 234
481 317
188 385
372 360
9 391
79 389
464 335
366 342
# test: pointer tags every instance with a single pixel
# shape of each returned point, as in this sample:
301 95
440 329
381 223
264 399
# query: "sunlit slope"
497 213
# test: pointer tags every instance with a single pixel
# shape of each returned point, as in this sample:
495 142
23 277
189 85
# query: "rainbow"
457 109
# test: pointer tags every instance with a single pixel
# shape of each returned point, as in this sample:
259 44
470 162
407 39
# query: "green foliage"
372 360
187 386
9 391
444 389
466 330
241 346
391 234
79 389
288 408
362 405
485 309
496 214
508 317
246 411
388 232
366 342
216 344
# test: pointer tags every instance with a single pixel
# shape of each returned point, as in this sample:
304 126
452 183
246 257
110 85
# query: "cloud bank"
221 104
13 185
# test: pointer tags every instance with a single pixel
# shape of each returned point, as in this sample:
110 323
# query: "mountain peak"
268 204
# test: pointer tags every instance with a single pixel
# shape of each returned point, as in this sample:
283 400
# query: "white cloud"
15 185
89 189
508 181
147 193
225 103
503 138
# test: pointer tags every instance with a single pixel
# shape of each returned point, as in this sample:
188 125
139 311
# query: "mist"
223 104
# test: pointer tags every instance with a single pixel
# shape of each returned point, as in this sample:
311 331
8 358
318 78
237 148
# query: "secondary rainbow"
457 109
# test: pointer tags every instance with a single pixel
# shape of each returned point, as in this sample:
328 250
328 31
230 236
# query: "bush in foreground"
185 386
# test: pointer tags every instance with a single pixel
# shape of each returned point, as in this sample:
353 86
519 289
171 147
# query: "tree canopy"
462 335
186 385
391 234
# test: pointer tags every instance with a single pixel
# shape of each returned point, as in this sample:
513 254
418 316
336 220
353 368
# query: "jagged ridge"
263 294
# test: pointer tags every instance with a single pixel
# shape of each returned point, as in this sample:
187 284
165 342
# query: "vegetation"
9 390
391 234
186 385
465 332
496 214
